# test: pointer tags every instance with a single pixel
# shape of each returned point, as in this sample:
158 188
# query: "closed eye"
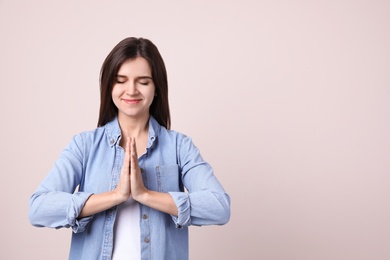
144 80
121 79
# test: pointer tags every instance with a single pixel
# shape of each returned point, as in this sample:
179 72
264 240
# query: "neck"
133 127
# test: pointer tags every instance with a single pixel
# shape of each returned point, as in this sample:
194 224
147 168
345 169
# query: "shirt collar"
114 133
154 130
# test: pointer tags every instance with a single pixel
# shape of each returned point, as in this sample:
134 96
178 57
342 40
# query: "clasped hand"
130 181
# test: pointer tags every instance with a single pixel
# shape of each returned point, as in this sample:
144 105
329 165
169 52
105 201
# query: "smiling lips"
132 101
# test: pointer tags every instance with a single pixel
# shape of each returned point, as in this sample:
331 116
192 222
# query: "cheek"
115 92
151 96
153 91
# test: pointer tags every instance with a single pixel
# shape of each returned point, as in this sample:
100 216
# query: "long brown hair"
131 48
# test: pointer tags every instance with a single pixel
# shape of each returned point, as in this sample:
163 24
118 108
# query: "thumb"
126 162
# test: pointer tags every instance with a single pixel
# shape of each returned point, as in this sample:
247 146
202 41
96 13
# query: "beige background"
288 100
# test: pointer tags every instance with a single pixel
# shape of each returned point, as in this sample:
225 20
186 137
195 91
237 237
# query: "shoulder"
108 133
173 135
164 134
84 140
89 135
181 142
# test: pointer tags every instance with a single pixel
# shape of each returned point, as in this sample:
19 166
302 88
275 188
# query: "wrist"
118 197
141 197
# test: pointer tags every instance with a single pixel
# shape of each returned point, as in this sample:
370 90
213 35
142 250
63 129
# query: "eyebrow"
140 77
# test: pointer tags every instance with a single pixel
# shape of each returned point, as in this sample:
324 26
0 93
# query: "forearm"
158 200
56 209
99 202
202 208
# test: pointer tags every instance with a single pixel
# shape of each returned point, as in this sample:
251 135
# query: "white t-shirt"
127 245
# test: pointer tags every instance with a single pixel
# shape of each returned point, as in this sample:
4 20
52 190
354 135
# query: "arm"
206 202
100 202
158 200
55 204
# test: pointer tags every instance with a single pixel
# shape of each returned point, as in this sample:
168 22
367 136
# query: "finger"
127 146
134 156
134 147
126 162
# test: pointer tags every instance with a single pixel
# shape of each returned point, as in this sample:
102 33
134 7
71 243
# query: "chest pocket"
168 178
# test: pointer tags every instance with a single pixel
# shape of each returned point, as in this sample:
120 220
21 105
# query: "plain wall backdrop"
288 100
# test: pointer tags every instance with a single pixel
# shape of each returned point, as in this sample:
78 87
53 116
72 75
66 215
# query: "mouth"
131 101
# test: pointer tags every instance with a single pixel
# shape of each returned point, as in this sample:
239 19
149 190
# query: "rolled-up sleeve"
183 205
205 202
55 203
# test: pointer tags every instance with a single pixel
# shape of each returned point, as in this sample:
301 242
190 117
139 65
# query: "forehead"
135 67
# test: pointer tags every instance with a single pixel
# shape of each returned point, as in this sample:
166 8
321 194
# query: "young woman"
130 188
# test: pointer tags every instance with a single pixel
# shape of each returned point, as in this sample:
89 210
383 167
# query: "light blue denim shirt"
93 161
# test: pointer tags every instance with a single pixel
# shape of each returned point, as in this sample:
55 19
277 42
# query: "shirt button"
147 240
145 216
112 141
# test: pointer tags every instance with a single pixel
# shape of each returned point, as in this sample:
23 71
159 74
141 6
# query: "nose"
131 89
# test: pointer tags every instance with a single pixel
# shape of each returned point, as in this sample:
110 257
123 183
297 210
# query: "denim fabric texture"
93 161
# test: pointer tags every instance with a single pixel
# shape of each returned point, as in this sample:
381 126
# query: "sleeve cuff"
182 201
78 201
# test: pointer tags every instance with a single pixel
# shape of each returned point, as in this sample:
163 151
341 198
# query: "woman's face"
134 89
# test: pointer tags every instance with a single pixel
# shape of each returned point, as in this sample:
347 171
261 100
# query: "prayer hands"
137 185
130 182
